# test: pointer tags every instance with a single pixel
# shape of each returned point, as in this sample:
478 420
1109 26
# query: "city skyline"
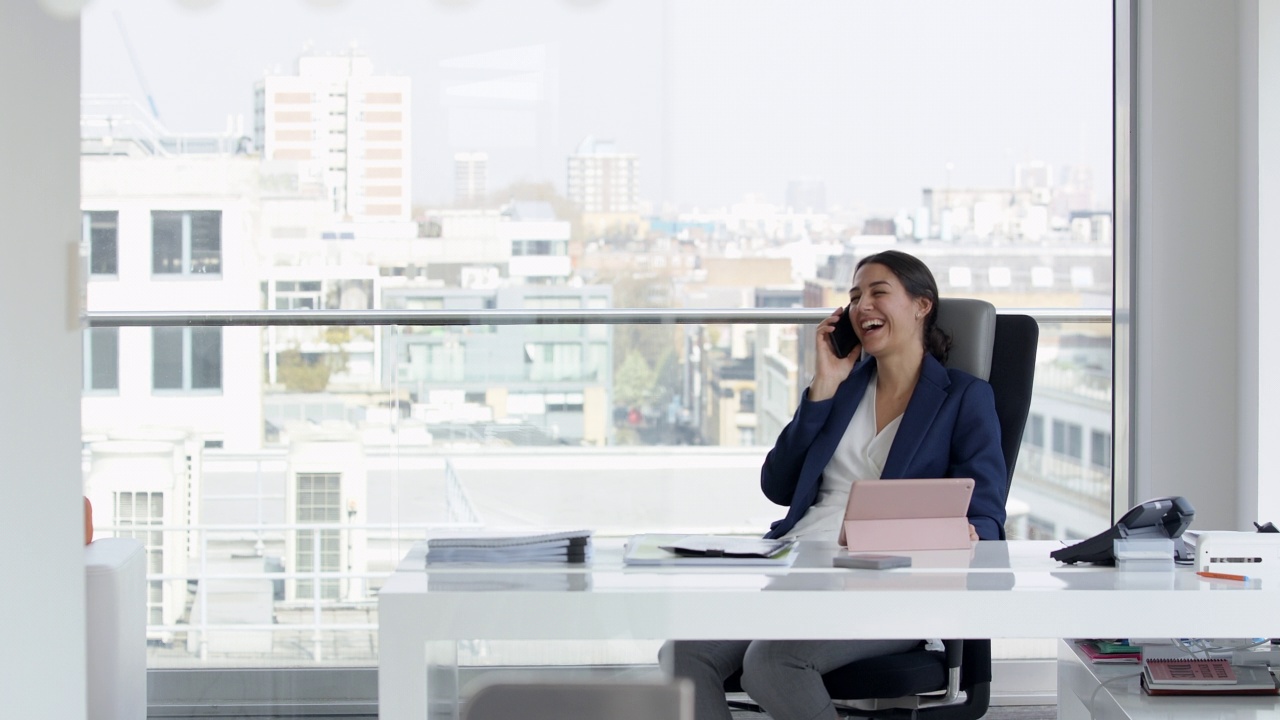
710 117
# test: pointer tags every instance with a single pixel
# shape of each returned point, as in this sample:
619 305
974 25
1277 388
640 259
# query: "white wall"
1205 418
1246 501
1269 247
42 655
1260 393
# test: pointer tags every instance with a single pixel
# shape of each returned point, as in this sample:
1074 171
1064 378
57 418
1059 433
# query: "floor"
1024 712
1020 712
1017 712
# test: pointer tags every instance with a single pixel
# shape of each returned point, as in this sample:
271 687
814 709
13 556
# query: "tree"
300 374
337 337
633 384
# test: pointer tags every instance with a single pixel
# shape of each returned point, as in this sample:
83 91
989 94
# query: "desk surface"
996 589
993 590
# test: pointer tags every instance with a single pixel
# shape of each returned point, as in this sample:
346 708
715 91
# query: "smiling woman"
895 412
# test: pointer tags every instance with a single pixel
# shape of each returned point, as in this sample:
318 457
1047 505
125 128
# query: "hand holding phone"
843 337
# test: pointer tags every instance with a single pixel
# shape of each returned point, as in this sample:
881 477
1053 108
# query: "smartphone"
869 561
843 337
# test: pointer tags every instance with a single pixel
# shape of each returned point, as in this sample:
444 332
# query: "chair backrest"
1013 372
1000 349
604 700
972 327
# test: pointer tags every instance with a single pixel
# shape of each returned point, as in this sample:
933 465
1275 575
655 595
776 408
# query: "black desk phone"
1164 517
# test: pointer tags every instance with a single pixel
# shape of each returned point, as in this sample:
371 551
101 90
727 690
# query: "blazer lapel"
847 398
922 408
845 402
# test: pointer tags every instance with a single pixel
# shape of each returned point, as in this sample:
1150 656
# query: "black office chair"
924 684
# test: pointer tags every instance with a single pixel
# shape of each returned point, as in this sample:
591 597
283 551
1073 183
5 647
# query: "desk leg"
402 672
1081 695
442 680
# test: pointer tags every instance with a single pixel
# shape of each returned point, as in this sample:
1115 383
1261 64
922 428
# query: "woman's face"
886 318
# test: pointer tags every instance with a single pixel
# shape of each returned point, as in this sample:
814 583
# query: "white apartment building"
539 243
470 176
522 242
346 128
172 234
603 180
166 233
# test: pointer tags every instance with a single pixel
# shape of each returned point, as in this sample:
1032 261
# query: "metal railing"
639 316
1065 473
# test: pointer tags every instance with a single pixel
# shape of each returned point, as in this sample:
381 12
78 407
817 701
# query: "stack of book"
1105 652
573 546
1212 676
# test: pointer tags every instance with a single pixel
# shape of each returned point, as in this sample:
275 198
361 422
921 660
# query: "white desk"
998 590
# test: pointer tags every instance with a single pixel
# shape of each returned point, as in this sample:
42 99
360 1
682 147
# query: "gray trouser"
783 676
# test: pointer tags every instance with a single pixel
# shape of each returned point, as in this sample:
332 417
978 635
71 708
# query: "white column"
1187 256
1260 321
42 657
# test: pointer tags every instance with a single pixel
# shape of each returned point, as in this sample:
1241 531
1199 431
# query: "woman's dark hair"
918 281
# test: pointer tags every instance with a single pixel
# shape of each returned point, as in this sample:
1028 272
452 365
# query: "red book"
1249 679
1198 671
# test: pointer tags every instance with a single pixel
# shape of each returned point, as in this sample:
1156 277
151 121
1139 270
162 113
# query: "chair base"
969 705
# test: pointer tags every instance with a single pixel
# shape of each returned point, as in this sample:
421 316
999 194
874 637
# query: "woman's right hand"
829 370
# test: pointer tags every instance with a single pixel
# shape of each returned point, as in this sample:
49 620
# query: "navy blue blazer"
949 429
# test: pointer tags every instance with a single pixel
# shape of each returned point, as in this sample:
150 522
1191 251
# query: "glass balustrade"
274 507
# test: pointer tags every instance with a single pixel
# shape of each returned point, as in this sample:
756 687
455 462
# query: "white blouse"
859 456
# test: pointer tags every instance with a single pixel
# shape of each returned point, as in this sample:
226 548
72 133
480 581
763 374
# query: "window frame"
186 258
90 220
90 368
187 361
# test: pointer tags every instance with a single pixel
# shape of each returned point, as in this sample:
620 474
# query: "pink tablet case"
908 514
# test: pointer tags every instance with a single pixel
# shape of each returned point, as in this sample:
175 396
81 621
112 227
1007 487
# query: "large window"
558 157
101 233
186 243
318 501
1100 449
1067 439
186 358
1033 435
298 295
140 511
102 359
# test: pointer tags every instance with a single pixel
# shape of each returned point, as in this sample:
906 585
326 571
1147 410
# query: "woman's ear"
925 306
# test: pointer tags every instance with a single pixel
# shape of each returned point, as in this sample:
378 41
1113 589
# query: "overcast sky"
718 98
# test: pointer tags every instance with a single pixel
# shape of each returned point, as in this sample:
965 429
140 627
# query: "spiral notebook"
1205 676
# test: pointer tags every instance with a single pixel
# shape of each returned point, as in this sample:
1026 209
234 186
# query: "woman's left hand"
973 532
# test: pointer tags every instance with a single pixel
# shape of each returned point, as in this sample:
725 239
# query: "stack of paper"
511 547
679 550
